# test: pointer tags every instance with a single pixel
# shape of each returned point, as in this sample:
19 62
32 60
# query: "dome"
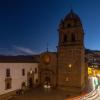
71 20
72 16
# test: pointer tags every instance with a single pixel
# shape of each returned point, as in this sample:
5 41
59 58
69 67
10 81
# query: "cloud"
23 50
17 50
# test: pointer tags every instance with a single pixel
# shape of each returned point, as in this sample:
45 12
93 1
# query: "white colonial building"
17 72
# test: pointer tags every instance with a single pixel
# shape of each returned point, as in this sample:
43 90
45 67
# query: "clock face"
46 59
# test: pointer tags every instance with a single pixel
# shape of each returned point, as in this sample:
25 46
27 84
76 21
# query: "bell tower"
71 62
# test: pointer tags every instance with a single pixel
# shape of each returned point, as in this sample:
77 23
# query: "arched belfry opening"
64 38
73 38
68 25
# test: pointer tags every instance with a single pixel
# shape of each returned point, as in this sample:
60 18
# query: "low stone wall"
8 96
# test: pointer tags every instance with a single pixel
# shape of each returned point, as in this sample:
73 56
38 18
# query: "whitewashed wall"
16 75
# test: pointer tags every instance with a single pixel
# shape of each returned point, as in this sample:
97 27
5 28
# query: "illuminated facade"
17 72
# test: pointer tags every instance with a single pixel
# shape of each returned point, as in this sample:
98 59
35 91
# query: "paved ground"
47 94
42 94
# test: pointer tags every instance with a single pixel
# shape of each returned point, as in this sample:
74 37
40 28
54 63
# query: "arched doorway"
47 82
23 87
47 79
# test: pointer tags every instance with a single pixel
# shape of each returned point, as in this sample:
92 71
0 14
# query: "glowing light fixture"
31 71
67 79
69 65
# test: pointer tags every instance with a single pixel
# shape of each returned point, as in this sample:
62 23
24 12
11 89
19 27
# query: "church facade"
66 68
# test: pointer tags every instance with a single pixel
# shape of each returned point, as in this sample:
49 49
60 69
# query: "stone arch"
47 77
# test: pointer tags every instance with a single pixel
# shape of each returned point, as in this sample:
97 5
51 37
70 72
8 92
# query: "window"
73 38
65 38
35 70
36 80
7 72
68 25
23 72
8 85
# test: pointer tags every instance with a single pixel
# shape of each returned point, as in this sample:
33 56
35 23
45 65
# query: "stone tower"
71 62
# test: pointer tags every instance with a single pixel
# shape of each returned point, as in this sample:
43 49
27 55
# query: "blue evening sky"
28 25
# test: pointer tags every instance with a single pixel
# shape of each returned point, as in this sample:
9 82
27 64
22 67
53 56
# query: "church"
65 69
